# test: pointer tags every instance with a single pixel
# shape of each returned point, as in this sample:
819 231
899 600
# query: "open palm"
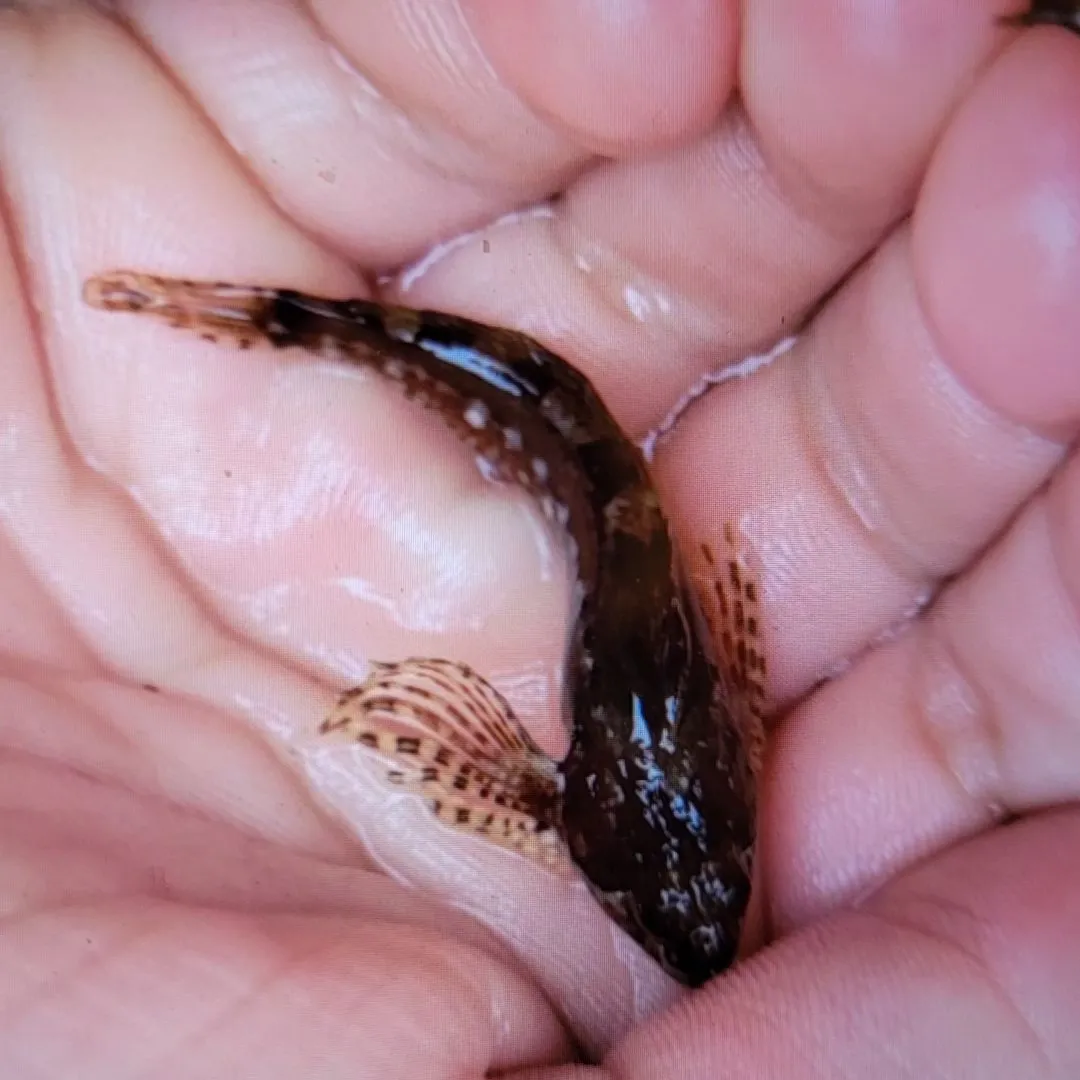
200 545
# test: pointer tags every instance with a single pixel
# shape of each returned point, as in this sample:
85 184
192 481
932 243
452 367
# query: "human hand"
197 538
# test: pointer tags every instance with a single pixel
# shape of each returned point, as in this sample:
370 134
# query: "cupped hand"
200 546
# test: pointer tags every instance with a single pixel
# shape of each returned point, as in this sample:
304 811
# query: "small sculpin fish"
655 800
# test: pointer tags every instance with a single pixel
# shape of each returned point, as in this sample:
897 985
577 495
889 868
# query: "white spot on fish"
488 467
512 438
477 415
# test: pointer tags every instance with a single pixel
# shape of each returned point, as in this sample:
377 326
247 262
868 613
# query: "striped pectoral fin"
736 618
447 734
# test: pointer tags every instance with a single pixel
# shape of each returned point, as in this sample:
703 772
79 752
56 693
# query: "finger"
1035 202
893 442
970 717
75 833
911 465
256 527
965 967
383 127
75 531
616 77
379 127
653 270
144 987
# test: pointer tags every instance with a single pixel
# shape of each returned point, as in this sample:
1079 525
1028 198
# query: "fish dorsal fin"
735 615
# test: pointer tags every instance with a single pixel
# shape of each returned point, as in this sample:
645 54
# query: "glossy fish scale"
655 799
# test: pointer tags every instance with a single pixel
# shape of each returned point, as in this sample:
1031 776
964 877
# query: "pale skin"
200 546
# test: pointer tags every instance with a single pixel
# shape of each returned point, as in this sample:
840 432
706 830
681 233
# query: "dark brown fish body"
1050 12
657 801
655 798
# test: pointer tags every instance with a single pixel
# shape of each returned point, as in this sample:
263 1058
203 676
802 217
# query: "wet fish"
655 802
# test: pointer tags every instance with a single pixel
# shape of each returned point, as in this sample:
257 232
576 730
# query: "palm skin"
199 545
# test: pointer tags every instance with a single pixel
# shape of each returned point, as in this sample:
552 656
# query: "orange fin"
736 619
450 736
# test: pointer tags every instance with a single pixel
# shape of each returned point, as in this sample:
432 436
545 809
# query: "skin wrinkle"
60 688
975 414
56 985
469 162
32 314
76 471
770 188
938 738
83 476
1057 542
563 232
423 26
141 784
300 960
811 436
208 127
684 1014
423 147
805 217
933 332
569 235
894 546
1072 601
256 989
965 937
815 202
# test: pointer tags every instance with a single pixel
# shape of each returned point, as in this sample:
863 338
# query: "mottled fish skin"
656 796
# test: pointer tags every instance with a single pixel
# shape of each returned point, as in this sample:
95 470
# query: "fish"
665 698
